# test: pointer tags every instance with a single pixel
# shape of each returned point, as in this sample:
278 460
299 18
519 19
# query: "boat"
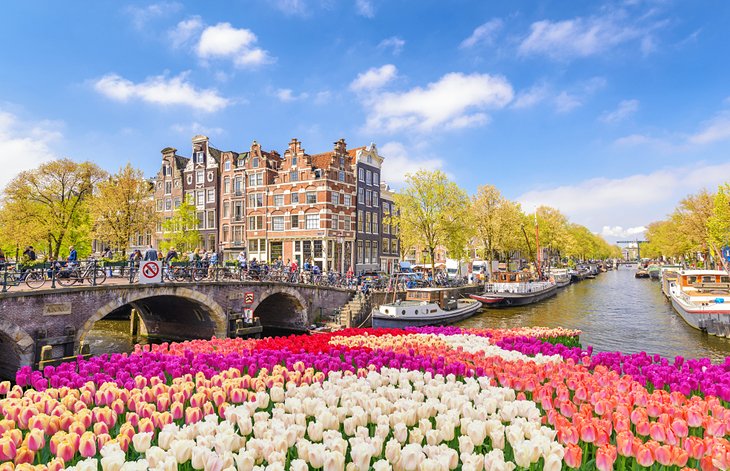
641 273
515 289
561 276
669 276
654 271
425 306
702 299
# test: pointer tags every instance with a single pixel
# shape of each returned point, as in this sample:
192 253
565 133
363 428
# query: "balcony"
238 193
238 218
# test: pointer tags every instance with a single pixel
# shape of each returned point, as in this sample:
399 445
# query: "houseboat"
670 274
515 289
425 306
702 299
561 276
655 272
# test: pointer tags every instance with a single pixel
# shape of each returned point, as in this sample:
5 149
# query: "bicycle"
35 278
71 276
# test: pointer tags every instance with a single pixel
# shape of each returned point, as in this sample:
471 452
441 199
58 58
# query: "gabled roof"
322 160
215 153
353 152
180 161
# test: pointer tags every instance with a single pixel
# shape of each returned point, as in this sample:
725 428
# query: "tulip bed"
438 398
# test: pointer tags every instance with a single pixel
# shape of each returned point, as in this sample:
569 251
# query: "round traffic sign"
150 270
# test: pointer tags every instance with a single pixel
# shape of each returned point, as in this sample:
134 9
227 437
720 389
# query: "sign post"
150 272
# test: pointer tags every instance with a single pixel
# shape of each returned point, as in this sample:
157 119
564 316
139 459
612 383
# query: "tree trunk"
433 262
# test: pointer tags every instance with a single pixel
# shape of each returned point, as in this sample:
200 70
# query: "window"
199 157
190 179
166 171
342 162
168 204
375 252
386 245
294 161
211 195
226 209
256 179
394 246
159 205
359 251
293 176
295 221
211 219
201 219
238 211
312 221
177 203
335 198
386 229
369 198
369 178
225 233
361 196
361 174
277 223
294 198
347 223
278 200
346 200
238 186
311 197
200 195
360 221
227 165
199 177
370 159
317 249
376 178
335 221
227 185
367 251
367 222
255 162
253 245
255 223
168 188
375 199
341 176
375 223
210 176
256 200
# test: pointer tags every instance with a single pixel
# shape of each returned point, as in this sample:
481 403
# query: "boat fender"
719 300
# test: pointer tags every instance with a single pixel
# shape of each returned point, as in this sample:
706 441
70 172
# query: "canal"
615 312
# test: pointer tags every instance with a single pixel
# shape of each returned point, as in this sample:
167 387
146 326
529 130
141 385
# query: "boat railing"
518 288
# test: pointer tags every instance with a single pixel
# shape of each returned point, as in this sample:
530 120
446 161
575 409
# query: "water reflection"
615 312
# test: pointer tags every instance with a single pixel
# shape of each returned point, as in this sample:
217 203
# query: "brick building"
369 213
232 203
169 191
201 185
260 173
389 243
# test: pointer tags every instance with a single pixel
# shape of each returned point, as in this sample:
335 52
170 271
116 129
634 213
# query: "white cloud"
716 129
185 31
195 128
630 201
625 109
483 34
365 8
448 102
223 41
293 7
620 232
399 162
25 145
566 102
532 96
393 42
287 95
579 37
161 90
374 78
322 97
142 15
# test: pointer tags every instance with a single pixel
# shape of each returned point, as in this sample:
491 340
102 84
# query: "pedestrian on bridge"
150 254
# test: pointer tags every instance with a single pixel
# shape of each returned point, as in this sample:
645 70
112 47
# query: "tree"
553 230
53 199
426 209
718 225
692 216
122 207
181 230
16 231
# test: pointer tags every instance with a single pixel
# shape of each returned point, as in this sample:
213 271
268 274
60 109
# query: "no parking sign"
150 272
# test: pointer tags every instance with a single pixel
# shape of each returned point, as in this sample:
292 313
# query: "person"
29 254
242 262
73 257
365 288
171 255
293 269
307 266
212 263
54 268
150 254
107 253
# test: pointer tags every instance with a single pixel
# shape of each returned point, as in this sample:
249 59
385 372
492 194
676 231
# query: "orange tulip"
573 456
605 457
644 456
664 455
8 449
65 450
56 464
35 439
588 433
87 445
679 456
679 427
24 455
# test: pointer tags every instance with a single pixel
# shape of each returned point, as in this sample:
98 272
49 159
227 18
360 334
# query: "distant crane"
638 245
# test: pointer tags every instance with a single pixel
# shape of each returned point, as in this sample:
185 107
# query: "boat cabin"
446 299
511 277
704 280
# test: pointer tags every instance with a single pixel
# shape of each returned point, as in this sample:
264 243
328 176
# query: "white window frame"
311 221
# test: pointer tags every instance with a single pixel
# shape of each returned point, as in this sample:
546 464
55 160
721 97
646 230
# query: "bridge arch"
16 349
143 298
282 306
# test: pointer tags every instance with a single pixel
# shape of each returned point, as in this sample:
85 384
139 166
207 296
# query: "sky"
609 111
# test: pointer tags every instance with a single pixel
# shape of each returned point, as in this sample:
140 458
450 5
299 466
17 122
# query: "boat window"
691 280
403 312
725 279
433 310
512 278
416 311
708 279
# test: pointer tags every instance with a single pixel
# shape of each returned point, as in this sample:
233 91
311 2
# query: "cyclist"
212 263
73 257
316 273
293 269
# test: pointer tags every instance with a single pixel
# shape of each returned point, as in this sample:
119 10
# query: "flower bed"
422 398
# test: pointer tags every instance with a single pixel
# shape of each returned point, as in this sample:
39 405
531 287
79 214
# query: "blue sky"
610 111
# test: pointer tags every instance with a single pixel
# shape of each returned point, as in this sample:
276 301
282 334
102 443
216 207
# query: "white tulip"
245 460
466 445
298 465
142 441
400 432
113 462
411 456
155 455
382 465
334 461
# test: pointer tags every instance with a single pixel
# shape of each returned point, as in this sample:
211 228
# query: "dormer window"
342 162
370 159
293 161
317 173
241 162
227 165
199 157
255 162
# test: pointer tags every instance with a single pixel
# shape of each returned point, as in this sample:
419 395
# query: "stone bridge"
175 311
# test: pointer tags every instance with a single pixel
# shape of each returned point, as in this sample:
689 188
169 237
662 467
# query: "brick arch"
19 348
214 310
272 300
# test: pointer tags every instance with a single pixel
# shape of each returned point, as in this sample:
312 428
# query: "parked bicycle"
92 273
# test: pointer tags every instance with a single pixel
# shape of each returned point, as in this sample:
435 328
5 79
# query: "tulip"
24 455
605 457
87 445
644 456
573 456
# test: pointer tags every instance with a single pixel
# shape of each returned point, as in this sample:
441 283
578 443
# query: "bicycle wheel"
199 274
35 279
67 279
100 276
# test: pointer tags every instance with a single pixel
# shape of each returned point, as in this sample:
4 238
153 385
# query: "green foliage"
181 231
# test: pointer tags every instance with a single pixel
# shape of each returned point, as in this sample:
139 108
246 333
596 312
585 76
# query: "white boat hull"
713 319
466 308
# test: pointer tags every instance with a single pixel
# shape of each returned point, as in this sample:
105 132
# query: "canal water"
615 312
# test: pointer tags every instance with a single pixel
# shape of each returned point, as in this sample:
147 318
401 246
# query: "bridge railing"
97 272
